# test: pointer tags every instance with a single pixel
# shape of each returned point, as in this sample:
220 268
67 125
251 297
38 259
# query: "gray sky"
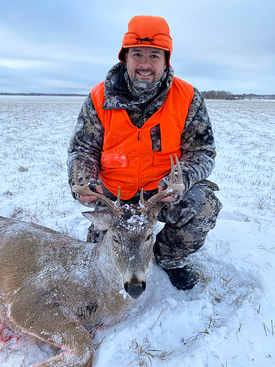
58 46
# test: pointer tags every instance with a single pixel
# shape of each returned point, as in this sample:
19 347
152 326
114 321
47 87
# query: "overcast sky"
58 46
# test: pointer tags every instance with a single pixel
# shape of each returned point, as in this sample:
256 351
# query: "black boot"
182 278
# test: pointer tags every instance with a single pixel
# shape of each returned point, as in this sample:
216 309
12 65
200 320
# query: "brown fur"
59 289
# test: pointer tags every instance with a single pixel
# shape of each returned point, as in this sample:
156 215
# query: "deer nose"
135 290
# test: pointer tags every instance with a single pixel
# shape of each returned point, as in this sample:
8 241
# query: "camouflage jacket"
197 139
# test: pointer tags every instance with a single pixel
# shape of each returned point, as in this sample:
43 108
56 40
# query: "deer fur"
60 290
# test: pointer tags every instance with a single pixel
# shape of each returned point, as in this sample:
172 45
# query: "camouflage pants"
187 220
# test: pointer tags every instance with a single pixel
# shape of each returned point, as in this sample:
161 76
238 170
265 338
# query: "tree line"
43 94
221 94
212 94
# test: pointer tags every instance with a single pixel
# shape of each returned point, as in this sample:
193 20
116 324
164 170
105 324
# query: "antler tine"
180 181
141 198
172 187
172 179
76 180
118 197
117 202
85 191
142 203
84 176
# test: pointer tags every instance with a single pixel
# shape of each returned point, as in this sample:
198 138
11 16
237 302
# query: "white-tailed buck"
60 290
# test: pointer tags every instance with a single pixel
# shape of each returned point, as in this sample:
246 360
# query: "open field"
227 319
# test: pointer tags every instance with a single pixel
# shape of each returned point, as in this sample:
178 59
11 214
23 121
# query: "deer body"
59 289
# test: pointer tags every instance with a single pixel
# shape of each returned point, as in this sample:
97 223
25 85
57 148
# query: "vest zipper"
139 157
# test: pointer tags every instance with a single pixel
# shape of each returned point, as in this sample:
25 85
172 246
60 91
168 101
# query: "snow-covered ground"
228 318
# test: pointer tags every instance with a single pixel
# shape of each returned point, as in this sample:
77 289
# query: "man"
126 131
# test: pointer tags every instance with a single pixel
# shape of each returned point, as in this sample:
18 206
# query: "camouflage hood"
121 93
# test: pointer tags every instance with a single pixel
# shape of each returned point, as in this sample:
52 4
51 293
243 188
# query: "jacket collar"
117 92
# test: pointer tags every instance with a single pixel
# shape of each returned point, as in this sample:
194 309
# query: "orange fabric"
147 31
127 159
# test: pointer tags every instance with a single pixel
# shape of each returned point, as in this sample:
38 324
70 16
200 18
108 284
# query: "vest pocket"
160 158
113 160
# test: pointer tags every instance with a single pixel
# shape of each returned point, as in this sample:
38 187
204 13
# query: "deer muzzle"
135 288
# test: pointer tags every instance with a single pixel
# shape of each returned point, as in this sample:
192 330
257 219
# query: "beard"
153 77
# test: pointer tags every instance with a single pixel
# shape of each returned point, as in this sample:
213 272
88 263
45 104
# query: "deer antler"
172 188
86 191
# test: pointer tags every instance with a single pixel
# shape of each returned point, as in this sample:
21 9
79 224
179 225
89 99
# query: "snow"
228 318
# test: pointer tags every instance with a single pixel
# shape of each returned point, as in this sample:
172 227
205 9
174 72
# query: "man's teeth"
145 73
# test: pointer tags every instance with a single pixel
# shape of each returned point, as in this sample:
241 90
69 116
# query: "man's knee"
207 204
188 221
199 202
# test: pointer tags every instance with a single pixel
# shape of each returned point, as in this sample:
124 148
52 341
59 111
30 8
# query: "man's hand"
168 198
92 198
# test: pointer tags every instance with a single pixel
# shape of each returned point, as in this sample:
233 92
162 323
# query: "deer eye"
115 239
149 237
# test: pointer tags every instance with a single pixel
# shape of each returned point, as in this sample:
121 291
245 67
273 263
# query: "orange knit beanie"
147 31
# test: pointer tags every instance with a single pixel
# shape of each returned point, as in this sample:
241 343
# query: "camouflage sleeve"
198 146
86 144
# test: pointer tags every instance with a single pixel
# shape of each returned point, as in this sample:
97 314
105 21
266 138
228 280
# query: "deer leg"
54 325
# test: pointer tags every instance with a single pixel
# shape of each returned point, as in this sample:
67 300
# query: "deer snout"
135 288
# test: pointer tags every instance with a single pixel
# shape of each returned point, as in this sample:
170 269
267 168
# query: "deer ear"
100 218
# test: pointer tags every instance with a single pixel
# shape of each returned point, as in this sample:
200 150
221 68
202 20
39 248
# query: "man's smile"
144 73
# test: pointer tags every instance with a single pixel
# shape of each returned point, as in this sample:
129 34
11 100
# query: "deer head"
130 230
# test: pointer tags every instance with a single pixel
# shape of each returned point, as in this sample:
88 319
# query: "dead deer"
60 290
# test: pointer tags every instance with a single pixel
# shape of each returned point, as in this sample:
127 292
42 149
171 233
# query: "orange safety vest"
127 159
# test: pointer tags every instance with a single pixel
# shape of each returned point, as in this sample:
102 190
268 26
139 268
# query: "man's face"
145 64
